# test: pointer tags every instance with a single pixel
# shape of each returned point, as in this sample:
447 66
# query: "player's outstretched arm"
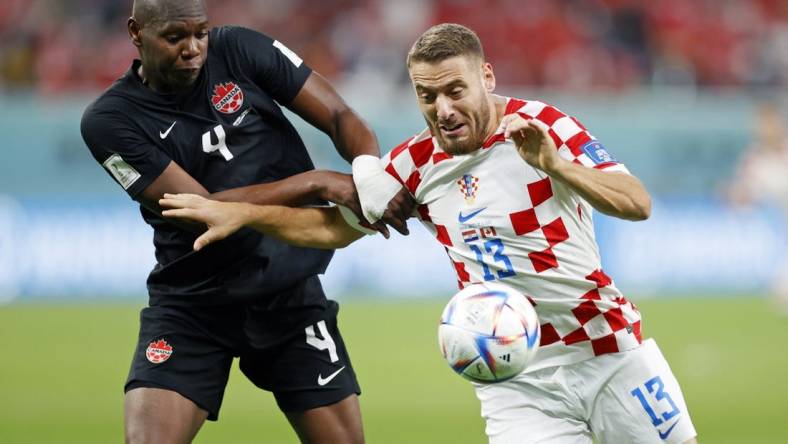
615 194
305 227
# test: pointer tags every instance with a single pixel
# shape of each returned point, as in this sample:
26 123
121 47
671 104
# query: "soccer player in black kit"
190 117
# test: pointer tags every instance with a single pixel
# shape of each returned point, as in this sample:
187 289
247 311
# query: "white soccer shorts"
618 398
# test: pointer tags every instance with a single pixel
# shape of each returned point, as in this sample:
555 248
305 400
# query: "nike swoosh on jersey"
164 135
323 381
465 218
664 436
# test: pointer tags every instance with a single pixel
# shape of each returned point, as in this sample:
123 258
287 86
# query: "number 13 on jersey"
489 251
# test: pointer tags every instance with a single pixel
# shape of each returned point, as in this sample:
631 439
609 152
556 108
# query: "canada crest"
227 97
158 351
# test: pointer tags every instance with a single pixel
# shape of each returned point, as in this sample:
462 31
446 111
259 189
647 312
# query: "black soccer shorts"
295 353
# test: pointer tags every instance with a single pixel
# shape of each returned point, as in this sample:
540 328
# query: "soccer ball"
488 332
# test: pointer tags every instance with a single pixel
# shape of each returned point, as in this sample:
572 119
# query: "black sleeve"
268 62
121 149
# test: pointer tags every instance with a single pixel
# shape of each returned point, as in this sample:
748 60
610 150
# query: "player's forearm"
615 194
303 227
301 189
352 136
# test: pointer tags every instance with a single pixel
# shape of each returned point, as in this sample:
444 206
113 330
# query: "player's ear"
135 32
489 77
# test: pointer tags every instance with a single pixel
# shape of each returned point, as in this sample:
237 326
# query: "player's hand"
398 210
341 189
533 142
222 218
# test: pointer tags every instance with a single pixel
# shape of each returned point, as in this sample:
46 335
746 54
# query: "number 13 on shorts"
657 403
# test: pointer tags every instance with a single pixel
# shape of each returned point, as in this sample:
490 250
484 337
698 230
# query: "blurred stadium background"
673 88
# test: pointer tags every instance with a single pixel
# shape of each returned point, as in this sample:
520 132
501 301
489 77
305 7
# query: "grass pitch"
63 367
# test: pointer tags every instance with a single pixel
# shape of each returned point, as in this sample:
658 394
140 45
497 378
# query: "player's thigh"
339 422
312 378
642 403
153 415
534 407
177 351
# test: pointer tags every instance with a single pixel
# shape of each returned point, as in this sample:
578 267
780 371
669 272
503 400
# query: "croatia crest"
158 351
468 186
227 97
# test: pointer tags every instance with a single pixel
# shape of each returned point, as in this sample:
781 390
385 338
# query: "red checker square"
543 260
524 221
601 279
605 344
443 235
577 141
462 274
549 115
525 116
592 295
586 311
556 139
439 157
555 232
540 191
549 335
514 105
413 181
421 152
576 336
637 332
393 173
615 318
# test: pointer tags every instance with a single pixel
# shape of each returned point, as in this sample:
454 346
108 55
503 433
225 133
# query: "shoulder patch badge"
124 173
597 152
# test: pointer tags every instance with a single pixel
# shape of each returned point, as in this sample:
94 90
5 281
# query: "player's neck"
498 109
153 84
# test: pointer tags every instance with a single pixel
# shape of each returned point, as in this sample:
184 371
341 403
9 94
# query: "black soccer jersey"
227 132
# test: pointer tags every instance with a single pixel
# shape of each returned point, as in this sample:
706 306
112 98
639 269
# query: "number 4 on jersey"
221 146
326 343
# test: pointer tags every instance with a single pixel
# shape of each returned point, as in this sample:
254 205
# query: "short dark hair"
445 41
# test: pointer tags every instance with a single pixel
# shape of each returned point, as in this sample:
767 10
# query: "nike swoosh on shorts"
323 381
664 436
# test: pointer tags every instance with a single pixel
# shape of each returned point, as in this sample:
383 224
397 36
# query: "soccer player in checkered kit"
507 187
206 119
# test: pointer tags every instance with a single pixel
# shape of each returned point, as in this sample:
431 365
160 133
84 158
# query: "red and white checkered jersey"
502 219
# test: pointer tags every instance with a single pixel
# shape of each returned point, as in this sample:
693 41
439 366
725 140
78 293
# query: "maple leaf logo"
227 97
158 351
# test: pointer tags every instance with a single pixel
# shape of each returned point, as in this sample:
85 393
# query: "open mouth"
452 130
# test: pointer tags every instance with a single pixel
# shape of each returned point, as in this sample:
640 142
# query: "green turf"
63 367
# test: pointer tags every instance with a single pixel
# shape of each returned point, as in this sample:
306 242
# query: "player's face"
174 49
454 97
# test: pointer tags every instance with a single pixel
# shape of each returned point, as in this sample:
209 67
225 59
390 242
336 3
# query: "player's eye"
172 38
202 34
456 92
427 97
